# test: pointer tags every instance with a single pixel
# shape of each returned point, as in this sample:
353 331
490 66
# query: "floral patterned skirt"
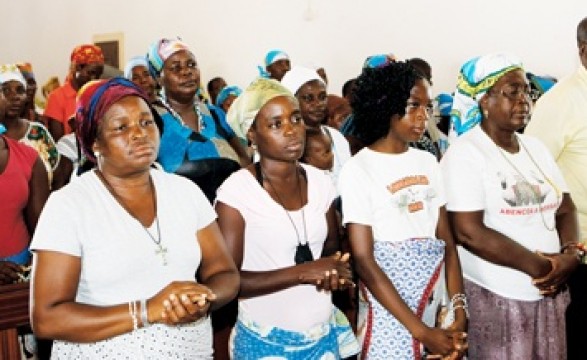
502 328
413 266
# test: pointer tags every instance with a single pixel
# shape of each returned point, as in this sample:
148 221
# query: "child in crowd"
318 150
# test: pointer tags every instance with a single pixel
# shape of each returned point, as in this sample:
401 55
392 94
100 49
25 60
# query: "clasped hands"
450 343
12 273
328 273
180 302
562 266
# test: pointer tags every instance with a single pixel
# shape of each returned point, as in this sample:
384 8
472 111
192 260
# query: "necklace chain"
286 211
161 250
175 114
536 194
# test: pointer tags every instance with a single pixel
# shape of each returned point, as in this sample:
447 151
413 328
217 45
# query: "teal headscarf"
476 77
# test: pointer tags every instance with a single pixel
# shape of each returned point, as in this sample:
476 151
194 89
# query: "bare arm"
563 265
256 283
217 269
495 247
53 289
55 128
566 221
332 243
56 277
454 275
62 173
38 194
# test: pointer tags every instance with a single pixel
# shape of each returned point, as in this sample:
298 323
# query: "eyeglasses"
413 106
514 92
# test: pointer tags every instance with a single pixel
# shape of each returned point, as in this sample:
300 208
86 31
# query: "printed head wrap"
26 69
244 109
294 79
93 100
10 72
161 50
86 54
476 77
271 57
226 92
444 103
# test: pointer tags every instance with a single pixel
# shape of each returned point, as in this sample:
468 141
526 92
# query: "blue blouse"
179 142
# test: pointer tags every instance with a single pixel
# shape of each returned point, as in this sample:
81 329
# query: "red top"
14 194
61 105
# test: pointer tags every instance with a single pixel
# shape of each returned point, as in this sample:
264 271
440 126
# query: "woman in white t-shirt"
116 252
393 208
278 219
513 215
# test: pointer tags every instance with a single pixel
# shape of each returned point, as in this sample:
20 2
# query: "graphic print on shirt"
411 193
524 196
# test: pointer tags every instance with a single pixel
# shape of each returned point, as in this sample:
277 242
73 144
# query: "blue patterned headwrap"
271 57
476 77
161 50
226 92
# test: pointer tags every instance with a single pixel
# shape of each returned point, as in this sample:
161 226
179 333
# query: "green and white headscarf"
243 110
476 77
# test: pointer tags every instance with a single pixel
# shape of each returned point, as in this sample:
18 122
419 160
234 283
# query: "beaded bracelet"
132 310
144 313
458 297
462 298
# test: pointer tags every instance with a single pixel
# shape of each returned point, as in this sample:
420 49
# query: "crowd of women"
151 209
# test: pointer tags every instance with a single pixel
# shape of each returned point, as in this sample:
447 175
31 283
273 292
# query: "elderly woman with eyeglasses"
512 215
393 208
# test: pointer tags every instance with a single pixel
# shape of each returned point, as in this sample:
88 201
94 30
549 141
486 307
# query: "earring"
485 114
97 154
254 147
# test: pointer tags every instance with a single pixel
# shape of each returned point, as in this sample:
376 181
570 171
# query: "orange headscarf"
87 53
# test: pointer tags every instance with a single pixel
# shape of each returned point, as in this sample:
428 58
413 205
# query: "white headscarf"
294 79
10 72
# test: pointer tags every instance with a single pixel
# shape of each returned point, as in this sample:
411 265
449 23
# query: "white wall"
231 37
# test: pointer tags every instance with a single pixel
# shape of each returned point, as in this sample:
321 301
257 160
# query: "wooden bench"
14 311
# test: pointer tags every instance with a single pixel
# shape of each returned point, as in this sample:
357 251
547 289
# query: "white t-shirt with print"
480 176
398 195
